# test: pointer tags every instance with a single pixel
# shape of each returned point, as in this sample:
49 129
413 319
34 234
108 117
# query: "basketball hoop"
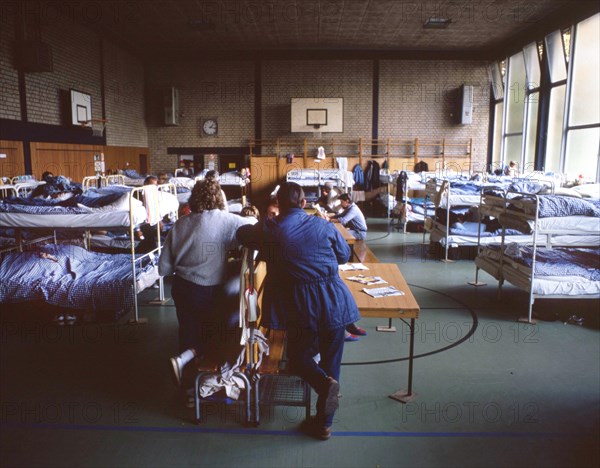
97 126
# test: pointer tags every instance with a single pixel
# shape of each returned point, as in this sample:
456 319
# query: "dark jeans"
303 344
197 313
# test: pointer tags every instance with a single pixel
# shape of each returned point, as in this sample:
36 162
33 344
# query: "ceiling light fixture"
437 23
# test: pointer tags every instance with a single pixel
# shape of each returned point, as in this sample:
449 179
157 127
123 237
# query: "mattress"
92 220
547 286
574 286
573 225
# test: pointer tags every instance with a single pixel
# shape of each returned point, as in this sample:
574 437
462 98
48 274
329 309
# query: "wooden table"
345 234
402 307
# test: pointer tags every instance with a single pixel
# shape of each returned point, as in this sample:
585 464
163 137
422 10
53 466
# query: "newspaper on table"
368 280
352 266
384 292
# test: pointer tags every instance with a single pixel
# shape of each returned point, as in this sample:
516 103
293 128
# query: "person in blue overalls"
305 295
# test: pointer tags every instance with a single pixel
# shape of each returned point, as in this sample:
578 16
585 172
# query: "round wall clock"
210 127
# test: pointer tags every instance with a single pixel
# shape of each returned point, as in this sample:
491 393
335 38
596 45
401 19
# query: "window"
559 76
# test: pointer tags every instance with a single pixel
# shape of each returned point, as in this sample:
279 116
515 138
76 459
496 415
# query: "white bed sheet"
574 286
232 178
553 285
106 219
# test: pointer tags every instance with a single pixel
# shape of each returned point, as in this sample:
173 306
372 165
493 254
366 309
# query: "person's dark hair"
151 180
290 195
250 211
345 197
206 195
212 175
47 175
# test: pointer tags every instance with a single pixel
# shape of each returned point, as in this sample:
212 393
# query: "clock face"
210 127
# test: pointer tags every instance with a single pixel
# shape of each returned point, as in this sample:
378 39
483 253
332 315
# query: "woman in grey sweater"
196 252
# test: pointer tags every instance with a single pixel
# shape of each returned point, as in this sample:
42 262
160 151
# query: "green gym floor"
489 391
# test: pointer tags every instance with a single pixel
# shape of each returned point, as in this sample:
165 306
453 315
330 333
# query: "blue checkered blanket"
562 261
558 206
69 276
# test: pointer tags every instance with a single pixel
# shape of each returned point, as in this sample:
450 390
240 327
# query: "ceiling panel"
178 27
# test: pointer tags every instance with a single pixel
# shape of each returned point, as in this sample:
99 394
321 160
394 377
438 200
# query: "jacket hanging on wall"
359 178
372 176
401 187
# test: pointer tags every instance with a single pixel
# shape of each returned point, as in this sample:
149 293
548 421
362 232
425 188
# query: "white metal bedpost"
132 242
479 216
533 255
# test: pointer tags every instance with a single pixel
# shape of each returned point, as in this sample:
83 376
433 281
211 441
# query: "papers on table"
368 280
352 267
383 292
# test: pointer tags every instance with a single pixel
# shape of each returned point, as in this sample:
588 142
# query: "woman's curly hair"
206 195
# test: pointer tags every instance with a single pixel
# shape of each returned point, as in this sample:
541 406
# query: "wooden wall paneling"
264 176
401 163
14 163
116 157
73 161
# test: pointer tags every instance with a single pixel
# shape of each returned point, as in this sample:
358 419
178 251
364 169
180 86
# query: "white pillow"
121 204
588 190
567 192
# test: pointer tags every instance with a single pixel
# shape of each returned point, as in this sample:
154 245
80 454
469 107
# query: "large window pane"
585 91
497 148
515 96
582 153
555 128
532 65
531 131
556 57
512 149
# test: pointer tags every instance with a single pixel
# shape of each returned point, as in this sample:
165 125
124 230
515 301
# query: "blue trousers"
303 344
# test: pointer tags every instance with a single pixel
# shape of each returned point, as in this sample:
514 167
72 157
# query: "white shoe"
156 285
177 365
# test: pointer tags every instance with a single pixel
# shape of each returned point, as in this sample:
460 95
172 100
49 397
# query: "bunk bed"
106 209
235 185
562 257
311 180
463 211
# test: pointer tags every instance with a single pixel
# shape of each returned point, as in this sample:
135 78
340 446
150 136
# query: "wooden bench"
363 254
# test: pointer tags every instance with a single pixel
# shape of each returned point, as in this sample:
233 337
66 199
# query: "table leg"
404 396
383 328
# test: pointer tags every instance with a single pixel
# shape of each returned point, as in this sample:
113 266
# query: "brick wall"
9 83
76 57
422 99
348 79
124 98
221 90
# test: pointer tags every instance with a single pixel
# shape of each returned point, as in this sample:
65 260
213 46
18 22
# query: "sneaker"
59 319
331 396
351 337
356 330
71 319
177 367
156 285
190 398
